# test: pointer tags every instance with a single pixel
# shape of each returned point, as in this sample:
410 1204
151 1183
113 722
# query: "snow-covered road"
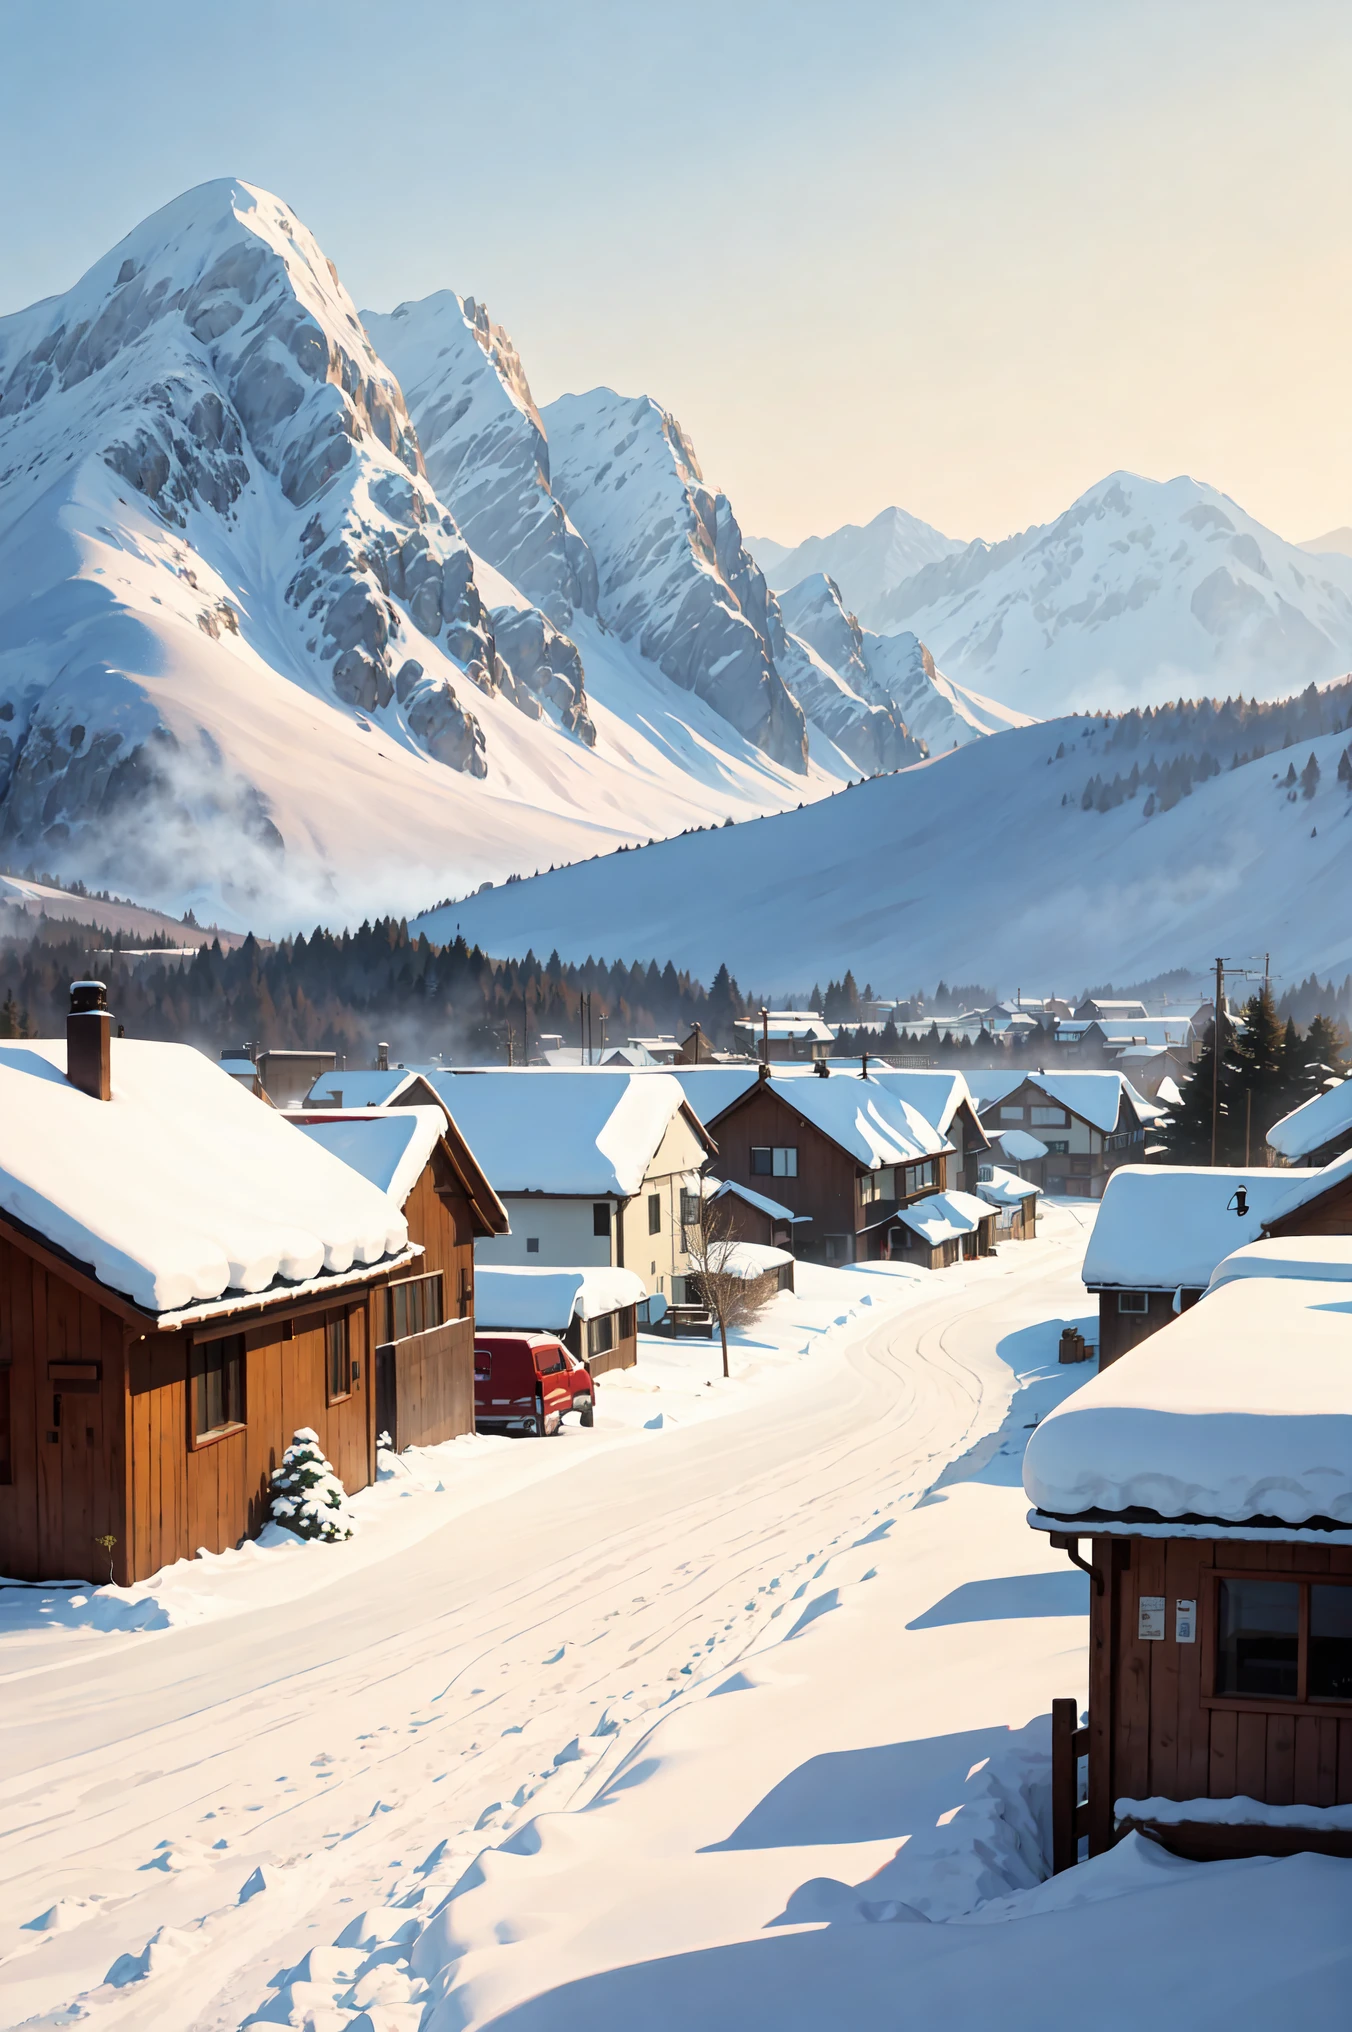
251 1816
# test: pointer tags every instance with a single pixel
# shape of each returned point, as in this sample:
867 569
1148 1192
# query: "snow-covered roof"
1168 1094
1327 1258
944 1216
1006 1188
1238 1411
547 1301
758 1200
788 1028
711 1088
1018 1144
182 1187
1314 1123
1306 1185
587 1131
354 1089
1163 1226
749 1260
1095 1096
390 1146
936 1095
862 1117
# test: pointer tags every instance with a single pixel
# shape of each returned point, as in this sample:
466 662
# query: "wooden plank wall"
212 1496
1164 1741
67 1489
434 1384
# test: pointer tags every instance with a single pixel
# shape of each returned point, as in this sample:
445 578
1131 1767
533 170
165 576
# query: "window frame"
409 1285
333 1320
654 1213
1208 1633
787 1151
600 1220
211 1435
6 1425
1133 1311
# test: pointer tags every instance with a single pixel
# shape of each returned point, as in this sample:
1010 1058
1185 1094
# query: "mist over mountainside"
1030 860
1142 590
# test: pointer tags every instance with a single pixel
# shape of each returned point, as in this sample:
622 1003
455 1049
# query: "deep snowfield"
968 867
600 1733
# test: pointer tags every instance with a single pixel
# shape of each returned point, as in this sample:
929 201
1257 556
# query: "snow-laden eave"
231 1304
1109 1524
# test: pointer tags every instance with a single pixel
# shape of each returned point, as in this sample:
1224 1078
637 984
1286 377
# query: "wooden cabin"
754 1216
1219 1546
840 1150
1014 1200
424 1324
942 1229
1160 1232
184 1281
594 1312
1090 1122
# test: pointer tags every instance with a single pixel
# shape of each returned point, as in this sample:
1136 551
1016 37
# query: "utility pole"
509 1047
1216 1057
765 1034
696 1039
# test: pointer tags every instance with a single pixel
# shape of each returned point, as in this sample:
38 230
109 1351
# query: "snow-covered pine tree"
1309 777
1260 1073
1185 1133
307 1496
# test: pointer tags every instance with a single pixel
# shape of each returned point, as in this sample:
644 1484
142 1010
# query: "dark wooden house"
841 1151
1089 1123
1160 1232
1219 1546
184 1281
424 1324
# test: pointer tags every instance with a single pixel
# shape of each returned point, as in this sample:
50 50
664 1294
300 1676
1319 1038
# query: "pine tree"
307 1496
1186 1132
1260 1072
1309 778
1325 1045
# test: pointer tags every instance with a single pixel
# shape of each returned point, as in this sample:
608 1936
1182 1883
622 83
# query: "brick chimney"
89 1029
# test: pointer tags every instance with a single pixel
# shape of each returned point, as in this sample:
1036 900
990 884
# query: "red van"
526 1383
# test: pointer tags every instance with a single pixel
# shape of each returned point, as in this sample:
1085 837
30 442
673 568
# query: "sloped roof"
1240 1409
1321 1257
585 1132
1095 1096
390 1146
943 1216
758 1200
712 1088
182 1188
867 1121
935 1094
1160 1227
1302 1186
1314 1123
537 1300
1006 1188
356 1089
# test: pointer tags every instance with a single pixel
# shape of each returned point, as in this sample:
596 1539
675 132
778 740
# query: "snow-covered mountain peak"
1139 590
864 561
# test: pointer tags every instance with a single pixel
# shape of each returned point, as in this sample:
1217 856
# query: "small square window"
761 1161
654 1213
1133 1301
785 1161
218 1385
532 1245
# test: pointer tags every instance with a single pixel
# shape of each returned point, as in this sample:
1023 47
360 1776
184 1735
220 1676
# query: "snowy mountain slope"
1337 540
674 576
245 662
485 446
1142 590
865 562
972 865
893 674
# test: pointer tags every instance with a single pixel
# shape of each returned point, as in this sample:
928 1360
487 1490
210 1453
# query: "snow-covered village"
603 1113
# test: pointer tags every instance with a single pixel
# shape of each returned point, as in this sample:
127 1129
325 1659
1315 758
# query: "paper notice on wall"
1185 1622
1150 1618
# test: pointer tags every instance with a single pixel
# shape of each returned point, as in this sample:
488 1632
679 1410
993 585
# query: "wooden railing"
1070 1814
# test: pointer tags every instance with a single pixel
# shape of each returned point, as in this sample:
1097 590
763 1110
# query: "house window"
1055 1149
1283 1640
654 1213
690 1209
338 1344
1133 1301
628 1318
413 1305
217 1386
601 1334
777 1161
532 1245
6 1429
601 1219
1011 1114
1049 1118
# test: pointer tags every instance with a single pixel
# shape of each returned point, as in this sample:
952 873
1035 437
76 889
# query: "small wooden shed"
1209 1476
424 1325
594 1312
184 1281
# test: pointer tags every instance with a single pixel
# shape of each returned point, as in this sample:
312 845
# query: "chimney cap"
87 997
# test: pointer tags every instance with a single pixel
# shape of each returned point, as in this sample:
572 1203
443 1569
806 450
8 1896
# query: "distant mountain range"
281 637
1142 590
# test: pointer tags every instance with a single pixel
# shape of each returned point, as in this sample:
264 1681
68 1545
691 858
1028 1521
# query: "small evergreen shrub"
307 1496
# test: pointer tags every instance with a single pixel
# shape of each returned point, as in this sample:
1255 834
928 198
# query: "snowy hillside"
247 661
895 674
1141 591
866 563
1337 540
983 864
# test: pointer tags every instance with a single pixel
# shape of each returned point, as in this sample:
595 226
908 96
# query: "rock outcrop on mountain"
892 677
485 447
1141 591
674 576
865 562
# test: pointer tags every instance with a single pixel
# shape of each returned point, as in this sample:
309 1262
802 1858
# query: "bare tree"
711 1245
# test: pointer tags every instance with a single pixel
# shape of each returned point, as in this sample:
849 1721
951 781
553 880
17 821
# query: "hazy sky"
967 255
